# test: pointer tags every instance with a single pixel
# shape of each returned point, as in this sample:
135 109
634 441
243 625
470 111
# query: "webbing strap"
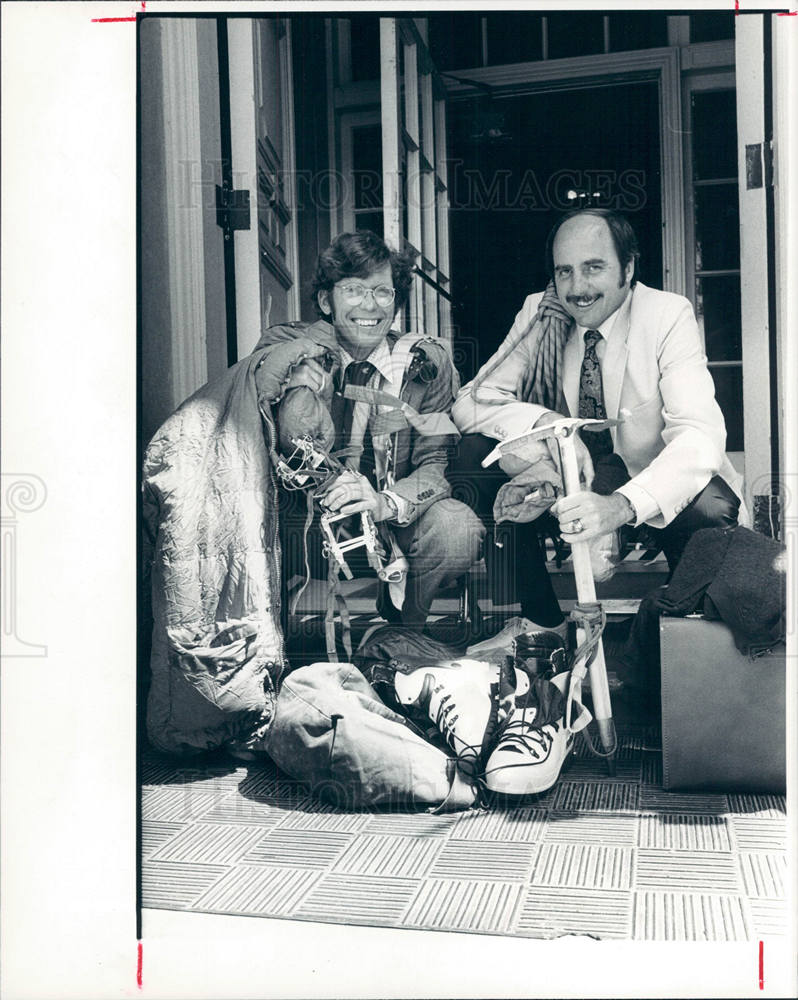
336 599
310 495
591 619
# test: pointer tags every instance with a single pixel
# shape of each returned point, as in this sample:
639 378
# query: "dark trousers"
517 566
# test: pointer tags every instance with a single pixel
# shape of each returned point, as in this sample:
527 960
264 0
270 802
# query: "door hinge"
759 165
232 209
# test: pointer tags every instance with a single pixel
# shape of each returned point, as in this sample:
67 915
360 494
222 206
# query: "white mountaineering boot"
528 758
516 628
459 696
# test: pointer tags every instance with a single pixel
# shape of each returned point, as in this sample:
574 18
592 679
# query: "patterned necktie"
357 433
591 398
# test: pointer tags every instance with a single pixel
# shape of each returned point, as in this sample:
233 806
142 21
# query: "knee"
453 531
716 506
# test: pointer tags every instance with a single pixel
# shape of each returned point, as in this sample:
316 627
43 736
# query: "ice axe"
562 431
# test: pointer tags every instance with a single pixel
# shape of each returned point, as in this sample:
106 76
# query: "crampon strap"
591 618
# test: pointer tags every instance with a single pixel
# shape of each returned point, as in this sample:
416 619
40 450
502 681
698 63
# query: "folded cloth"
513 501
331 731
748 592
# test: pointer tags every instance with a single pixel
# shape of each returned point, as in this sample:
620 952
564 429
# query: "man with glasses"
396 458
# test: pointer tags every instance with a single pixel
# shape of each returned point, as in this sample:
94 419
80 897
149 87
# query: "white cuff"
644 504
404 509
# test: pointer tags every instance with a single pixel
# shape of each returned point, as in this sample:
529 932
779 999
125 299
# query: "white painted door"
262 133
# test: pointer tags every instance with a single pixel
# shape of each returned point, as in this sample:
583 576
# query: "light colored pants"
442 544
331 731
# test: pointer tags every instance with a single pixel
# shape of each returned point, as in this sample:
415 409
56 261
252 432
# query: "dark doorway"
513 162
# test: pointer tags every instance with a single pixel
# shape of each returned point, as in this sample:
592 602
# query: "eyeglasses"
354 293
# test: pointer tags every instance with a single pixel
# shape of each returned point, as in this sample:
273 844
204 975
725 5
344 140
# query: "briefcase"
723 713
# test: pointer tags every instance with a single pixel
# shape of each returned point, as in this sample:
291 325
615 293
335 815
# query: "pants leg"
716 506
516 565
443 543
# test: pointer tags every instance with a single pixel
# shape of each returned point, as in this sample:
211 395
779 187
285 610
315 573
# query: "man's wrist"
627 508
390 508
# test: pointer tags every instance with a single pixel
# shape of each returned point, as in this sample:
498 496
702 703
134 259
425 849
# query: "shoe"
462 698
505 641
528 758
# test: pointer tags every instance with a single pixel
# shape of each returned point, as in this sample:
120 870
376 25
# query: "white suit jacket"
655 377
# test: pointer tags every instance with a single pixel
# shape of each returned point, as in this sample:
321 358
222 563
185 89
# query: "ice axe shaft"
586 593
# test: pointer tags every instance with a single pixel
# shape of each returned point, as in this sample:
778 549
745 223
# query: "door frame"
662 65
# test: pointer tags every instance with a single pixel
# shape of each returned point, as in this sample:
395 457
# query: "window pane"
365 47
369 220
714 134
514 38
729 394
580 34
717 228
637 31
367 165
718 314
455 40
711 26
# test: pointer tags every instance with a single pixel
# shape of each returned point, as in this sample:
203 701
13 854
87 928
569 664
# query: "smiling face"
590 281
359 328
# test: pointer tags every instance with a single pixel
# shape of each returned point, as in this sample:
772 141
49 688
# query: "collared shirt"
573 372
645 506
380 357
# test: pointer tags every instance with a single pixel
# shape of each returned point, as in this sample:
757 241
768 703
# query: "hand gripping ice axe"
588 615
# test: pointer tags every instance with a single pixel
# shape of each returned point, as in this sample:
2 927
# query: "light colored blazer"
655 377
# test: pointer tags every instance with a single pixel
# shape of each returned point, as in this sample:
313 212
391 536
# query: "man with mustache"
598 343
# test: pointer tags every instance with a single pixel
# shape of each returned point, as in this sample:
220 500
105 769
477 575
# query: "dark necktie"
357 373
591 398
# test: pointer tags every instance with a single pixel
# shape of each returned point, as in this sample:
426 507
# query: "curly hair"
357 255
623 237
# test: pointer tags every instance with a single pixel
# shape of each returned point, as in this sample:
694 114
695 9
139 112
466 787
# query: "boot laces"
525 736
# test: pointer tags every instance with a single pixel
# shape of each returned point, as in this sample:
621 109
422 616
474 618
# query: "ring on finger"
576 526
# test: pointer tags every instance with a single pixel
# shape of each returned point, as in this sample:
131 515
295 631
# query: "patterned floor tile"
175 805
465 905
298 848
586 866
684 832
234 808
273 892
590 796
763 874
412 824
477 859
173 886
358 899
265 787
210 844
522 824
677 916
759 833
769 917
550 912
332 821
155 835
772 806
651 769
705 871
388 857
591 828
682 802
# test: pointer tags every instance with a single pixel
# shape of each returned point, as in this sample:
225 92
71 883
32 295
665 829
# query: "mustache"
576 298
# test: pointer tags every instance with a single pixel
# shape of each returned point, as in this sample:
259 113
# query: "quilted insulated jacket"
213 555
